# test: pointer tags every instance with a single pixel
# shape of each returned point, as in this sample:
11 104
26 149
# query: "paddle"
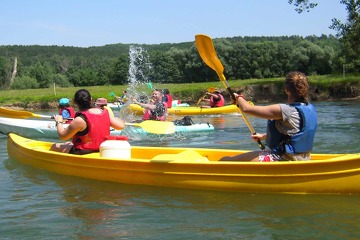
207 53
10 113
155 127
150 86
210 89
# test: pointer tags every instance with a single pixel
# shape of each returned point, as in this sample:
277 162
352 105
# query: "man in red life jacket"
65 110
216 99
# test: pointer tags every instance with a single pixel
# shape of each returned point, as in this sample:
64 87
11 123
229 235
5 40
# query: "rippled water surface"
39 205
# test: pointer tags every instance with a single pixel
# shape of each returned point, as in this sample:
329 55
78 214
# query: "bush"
25 82
61 80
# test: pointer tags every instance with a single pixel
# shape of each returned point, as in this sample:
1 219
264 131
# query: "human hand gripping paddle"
156 127
207 53
210 89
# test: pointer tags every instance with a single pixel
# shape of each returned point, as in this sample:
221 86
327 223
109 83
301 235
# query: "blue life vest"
300 142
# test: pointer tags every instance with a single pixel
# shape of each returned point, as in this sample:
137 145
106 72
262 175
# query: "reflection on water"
41 205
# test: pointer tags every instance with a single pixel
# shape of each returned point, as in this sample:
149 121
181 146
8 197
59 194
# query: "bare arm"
215 96
117 123
148 106
267 112
144 105
77 125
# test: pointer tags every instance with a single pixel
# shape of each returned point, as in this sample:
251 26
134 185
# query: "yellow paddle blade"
10 113
207 52
211 89
155 127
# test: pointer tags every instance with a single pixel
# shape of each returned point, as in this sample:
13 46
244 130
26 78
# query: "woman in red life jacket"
167 98
216 99
90 127
156 109
65 110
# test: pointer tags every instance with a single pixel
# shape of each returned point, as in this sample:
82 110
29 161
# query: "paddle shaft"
252 130
223 80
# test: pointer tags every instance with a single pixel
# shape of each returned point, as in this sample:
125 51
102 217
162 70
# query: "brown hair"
297 84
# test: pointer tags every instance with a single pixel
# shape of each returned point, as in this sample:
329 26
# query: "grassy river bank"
323 88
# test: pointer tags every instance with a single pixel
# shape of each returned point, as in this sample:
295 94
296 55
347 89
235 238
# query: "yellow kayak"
188 111
194 168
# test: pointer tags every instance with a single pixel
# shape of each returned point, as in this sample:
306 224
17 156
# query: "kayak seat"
186 156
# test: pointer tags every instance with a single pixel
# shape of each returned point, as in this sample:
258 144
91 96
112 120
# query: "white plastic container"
115 149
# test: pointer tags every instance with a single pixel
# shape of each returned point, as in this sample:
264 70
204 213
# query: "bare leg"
245 157
61 147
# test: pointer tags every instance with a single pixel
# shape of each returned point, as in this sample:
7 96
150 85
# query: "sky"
86 23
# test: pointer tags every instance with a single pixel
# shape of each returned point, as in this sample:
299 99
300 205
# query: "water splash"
140 68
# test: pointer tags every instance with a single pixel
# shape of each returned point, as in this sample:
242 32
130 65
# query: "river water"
39 205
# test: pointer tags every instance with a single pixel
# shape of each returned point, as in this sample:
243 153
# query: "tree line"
242 57
24 67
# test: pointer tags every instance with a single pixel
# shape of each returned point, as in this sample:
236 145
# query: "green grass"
189 92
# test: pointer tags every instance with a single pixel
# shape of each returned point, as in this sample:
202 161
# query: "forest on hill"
26 67
29 67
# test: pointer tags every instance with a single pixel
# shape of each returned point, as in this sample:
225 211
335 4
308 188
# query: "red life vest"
70 110
169 100
217 103
155 114
98 130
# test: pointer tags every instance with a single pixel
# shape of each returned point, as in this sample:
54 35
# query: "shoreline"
257 93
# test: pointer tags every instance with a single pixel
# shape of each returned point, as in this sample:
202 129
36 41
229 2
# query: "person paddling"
291 127
90 127
216 99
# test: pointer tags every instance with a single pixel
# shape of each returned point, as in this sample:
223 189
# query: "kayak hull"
116 106
197 168
34 128
46 129
189 111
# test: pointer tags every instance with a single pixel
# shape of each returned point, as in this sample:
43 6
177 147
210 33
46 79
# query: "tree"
349 34
42 73
5 72
165 70
60 80
302 5
120 70
312 59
